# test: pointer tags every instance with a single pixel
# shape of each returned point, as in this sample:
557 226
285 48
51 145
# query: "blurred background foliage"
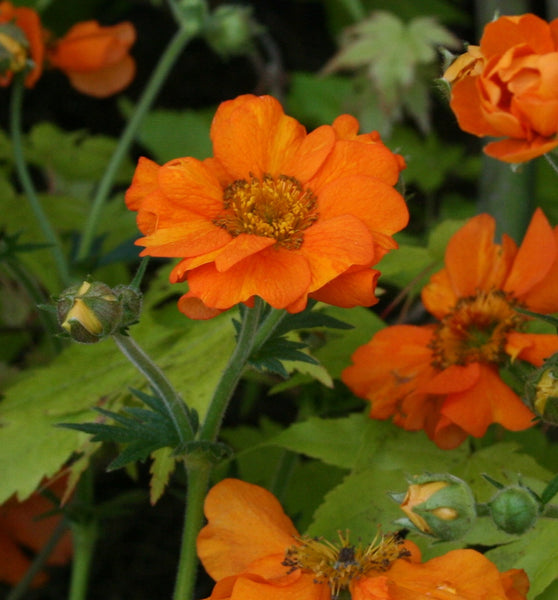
378 60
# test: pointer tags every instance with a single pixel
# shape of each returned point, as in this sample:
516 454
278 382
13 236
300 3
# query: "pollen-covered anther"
340 564
476 330
275 207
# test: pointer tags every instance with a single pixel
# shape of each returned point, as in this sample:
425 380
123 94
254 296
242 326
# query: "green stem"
550 511
160 384
22 587
158 78
27 183
551 162
85 530
251 336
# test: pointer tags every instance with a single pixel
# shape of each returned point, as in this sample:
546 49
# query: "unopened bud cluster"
443 506
90 311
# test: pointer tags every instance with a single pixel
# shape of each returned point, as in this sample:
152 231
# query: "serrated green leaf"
161 469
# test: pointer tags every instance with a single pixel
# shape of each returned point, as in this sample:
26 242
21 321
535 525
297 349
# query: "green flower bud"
230 30
14 48
441 505
89 312
130 300
514 509
541 391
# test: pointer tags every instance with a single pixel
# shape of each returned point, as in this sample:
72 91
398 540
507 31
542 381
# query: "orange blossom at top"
277 212
253 551
508 87
444 378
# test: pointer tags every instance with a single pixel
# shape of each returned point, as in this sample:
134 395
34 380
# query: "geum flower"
508 87
277 212
96 59
28 21
253 551
444 378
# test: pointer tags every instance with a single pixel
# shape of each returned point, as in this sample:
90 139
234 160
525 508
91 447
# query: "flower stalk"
27 183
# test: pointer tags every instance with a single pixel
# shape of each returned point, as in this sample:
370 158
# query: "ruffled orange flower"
276 213
96 59
22 526
30 24
445 378
512 91
252 550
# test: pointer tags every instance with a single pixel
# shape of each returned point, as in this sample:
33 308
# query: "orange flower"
28 21
512 90
276 213
252 550
22 526
445 378
96 58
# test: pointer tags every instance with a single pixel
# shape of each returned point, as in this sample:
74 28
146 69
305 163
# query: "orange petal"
332 246
463 574
466 103
277 276
516 584
311 154
543 296
105 81
239 248
194 308
532 347
143 183
454 379
355 157
483 269
245 523
438 295
518 151
489 401
535 256
252 135
378 205
89 46
189 183
350 289
506 32
372 588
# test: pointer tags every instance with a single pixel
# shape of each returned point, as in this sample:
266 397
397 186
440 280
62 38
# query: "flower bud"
14 49
130 300
438 505
541 391
514 509
89 311
230 30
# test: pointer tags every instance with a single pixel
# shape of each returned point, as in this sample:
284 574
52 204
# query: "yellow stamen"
273 207
339 564
476 330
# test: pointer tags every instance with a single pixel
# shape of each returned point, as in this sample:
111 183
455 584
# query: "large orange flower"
30 24
96 59
23 527
252 550
445 378
276 213
508 88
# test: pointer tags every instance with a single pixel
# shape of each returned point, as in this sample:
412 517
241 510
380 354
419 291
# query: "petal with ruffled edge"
532 347
534 258
518 151
277 276
355 287
252 136
489 401
245 523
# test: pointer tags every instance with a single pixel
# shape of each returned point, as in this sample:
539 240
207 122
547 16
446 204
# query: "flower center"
476 330
274 207
339 564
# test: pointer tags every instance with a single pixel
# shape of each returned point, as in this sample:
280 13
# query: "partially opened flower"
96 59
252 550
24 528
27 49
276 213
445 378
507 88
